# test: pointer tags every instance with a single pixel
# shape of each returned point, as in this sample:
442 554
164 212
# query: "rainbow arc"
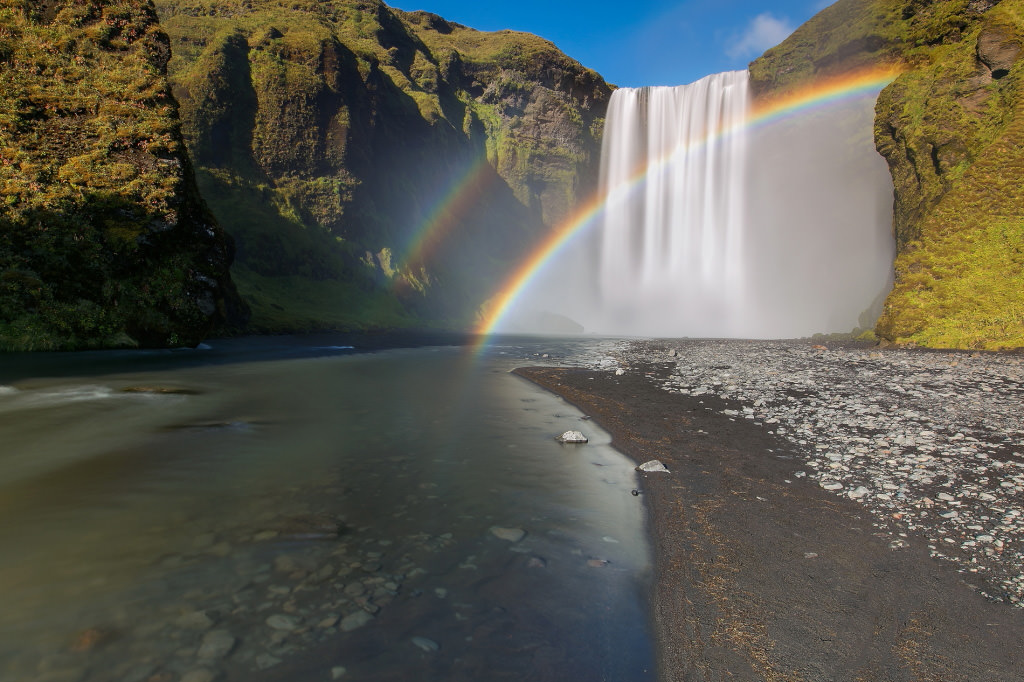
821 93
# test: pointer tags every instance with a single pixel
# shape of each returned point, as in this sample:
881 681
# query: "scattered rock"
428 645
265 661
329 621
280 621
216 645
653 465
572 437
509 534
196 620
354 621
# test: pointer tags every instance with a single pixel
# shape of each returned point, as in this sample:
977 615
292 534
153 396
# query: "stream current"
293 509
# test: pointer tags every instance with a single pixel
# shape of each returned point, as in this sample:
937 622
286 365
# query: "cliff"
376 168
951 130
104 240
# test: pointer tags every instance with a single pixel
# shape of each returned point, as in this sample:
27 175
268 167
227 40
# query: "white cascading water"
712 227
673 167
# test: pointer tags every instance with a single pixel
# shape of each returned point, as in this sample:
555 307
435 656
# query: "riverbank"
831 513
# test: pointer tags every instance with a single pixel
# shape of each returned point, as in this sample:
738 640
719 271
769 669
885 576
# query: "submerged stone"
509 534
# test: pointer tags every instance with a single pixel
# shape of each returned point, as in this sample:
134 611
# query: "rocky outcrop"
951 130
104 240
377 167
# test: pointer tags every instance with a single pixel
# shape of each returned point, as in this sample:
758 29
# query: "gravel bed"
931 443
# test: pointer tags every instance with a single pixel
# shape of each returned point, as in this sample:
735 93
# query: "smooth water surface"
309 513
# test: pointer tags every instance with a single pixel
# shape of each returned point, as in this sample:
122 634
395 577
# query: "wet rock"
428 645
329 621
572 437
652 466
216 645
355 589
354 621
280 621
196 620
508 534
265 661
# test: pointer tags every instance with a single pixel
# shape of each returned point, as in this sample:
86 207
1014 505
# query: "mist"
813 253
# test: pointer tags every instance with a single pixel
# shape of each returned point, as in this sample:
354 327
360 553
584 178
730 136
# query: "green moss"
952 132
325 131
97 204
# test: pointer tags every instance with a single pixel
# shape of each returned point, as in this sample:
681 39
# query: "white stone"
427 645
653 465
572 437
858 493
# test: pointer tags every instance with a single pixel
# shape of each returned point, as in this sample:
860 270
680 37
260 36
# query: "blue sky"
647 42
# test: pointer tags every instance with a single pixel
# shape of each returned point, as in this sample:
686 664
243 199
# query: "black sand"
762 576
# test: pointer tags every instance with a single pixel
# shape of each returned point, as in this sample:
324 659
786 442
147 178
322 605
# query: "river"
295 509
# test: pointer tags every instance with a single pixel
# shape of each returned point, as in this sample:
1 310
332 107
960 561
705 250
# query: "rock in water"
572 437
355 621
216 645
282 622
428 645
653 465
510 534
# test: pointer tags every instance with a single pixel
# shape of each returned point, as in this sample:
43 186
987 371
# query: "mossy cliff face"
104 240
377 168
952 131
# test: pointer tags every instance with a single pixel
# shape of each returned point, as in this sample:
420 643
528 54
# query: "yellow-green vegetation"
952 130
324 131
103 239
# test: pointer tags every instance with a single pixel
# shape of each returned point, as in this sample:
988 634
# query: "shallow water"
295 510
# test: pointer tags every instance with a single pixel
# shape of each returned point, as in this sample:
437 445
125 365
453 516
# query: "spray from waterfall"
676 243
709 226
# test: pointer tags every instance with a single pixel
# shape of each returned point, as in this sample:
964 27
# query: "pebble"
280 621
932 444
216 645
428 645
197 620
652 466
509 534
354 621
572 437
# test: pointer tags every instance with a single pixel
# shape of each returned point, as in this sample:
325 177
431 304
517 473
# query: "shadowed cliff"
377 168
104 240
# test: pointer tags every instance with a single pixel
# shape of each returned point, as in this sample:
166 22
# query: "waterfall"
711 226
674 170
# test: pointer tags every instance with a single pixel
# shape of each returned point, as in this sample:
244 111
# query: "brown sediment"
760 575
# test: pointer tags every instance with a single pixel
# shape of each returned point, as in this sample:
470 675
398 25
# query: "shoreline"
761 574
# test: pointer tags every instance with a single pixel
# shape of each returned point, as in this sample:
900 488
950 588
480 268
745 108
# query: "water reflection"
314 517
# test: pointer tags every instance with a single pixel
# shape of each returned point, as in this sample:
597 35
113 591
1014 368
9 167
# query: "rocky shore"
832 511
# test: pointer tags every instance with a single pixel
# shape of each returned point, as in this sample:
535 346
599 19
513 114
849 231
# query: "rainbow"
445 214
820 93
